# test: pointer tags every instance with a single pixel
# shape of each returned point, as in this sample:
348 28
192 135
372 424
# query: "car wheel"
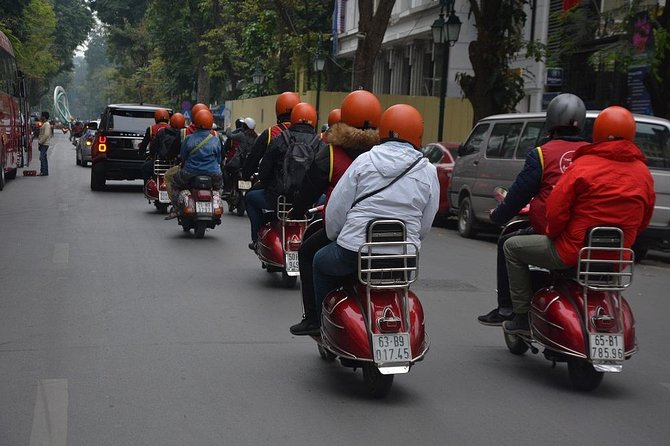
2 176
76 157
466 223
98 177
84 163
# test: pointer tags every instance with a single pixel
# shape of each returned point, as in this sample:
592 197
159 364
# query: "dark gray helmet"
566 110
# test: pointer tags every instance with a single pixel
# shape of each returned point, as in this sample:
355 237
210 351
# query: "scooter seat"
201 182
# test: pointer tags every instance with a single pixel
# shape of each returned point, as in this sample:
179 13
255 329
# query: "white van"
494 154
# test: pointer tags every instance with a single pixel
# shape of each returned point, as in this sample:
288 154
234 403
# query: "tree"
372 25
494 88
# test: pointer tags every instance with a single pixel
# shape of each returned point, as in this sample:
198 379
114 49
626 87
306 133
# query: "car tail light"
203 195
89 142
102 144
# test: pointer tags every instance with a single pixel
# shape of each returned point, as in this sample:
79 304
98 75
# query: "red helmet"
285 103
402 121
334 117
614 123
361 109
203 119
177 121
161 115
196 108
303 113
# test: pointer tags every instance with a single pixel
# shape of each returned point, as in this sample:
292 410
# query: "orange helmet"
361 109
303 113
203 119
334 117
177 121
196 108
285 103
614 123
161 115
402 121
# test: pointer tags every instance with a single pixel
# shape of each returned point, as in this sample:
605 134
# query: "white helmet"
249 122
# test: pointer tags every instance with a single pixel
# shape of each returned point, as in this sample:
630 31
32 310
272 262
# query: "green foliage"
35 53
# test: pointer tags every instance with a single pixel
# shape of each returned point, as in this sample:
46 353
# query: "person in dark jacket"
161 117
237 149
544 165
270 171
607 184
353 131
170 135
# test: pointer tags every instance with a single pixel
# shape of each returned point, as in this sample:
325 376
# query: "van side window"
476 141
529 139
654 141
503 140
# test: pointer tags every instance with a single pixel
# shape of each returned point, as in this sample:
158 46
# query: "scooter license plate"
292 262
606 347
203 207
244 185
391 348
163 196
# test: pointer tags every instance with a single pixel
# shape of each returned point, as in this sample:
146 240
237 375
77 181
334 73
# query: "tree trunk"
373 27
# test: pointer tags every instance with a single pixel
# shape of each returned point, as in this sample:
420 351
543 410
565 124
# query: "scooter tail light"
389 323
293 243
203 195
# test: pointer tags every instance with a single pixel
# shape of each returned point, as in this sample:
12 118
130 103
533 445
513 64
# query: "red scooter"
199 207
579 316
374 321
278 243
156 190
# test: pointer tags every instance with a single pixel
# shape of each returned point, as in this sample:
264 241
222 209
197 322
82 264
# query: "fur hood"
351 138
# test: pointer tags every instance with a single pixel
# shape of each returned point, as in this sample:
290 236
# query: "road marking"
61 253
50 414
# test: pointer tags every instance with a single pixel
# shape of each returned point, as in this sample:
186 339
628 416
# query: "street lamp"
445 33
319 63
258 77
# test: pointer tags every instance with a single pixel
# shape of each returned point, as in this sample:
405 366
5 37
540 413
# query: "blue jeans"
44 162
256 202
331 263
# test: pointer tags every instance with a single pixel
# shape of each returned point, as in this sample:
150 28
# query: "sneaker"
494 318
518 326
253 246
306 327
171 215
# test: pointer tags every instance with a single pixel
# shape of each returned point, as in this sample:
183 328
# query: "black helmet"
566 111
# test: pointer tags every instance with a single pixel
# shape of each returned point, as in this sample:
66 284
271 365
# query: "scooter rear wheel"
200 229
288 281
515 344
583 376
377 384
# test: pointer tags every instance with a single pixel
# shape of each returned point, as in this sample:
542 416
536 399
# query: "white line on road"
50 414
61 253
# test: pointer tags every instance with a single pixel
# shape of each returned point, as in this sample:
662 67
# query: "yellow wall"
457 120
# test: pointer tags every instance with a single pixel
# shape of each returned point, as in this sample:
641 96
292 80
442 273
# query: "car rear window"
132 121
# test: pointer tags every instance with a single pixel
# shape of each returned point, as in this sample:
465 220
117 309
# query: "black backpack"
298 158
166 145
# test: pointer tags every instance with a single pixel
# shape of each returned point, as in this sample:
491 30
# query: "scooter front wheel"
582 375
515 344
377 384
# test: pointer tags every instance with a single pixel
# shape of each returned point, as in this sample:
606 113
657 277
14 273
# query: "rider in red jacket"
607 184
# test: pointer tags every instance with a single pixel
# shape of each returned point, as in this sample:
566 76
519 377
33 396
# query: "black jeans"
504 298
306 253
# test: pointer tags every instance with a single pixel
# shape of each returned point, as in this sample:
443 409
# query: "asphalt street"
116 328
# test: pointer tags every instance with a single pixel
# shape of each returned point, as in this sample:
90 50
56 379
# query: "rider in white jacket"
392 180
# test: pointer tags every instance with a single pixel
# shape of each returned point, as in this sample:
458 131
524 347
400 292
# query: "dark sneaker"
494 318
306 327
253 246
517 326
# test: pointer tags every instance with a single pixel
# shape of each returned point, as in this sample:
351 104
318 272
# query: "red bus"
15 135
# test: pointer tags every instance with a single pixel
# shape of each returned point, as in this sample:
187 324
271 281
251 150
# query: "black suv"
116 154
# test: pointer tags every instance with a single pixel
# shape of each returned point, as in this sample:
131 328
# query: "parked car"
84 144
115 153
495 151
443 156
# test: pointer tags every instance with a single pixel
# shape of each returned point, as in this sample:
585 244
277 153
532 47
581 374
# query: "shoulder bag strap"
200 144
404 172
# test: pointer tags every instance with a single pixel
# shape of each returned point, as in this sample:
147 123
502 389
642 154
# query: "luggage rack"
604 264
162 166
